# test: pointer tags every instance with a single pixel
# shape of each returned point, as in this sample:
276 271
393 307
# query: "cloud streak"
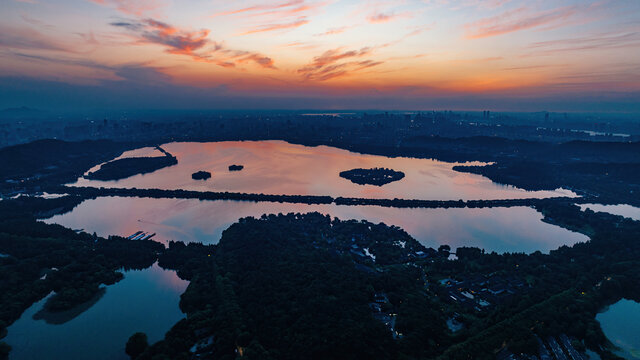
273 27
133 7
517 20
195 44
22 38
337 63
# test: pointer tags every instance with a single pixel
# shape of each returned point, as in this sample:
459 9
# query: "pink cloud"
380 18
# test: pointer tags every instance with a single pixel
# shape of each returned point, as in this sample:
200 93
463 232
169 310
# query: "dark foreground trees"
136 345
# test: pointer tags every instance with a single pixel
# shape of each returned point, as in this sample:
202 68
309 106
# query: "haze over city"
560 55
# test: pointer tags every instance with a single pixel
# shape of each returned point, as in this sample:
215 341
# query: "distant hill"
21 112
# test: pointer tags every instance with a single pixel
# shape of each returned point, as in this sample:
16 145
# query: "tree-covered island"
375 176
201 175
126 167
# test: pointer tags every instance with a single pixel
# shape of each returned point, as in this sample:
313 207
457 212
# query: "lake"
145 301
515 229
277 167
621 324
627 211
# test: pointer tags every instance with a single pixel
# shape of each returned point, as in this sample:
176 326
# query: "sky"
556 55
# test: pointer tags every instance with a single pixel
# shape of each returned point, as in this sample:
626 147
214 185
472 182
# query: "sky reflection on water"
277 167
494 229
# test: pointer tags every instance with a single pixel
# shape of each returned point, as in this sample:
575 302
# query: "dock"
141 235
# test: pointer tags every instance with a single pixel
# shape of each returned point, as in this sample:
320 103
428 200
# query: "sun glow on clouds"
320 48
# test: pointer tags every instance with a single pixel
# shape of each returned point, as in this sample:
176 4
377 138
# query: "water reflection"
61 317
621 324
627 211
144 301
494 229
277 167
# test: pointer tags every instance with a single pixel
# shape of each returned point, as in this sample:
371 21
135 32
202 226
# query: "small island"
375 176
235 167
201 175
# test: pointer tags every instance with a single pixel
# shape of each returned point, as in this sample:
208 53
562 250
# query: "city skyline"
467 54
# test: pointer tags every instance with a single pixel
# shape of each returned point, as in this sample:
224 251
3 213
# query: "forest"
279 287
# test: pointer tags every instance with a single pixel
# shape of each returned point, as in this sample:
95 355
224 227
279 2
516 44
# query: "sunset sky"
562 55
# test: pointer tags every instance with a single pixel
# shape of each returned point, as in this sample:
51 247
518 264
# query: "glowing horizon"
412 52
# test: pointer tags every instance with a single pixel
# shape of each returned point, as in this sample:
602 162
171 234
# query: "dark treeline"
51 162
613 181
92 192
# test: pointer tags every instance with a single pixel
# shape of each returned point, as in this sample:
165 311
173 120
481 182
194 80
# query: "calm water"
621 324
494 229
144 301
622 210
277 167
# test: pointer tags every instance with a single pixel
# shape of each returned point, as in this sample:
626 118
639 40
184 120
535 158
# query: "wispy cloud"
195 44
261 8
336 63
381 17
276 16
481 4
36 22
25 38
177 41
334 31
610 40
518 19
272 27
133 7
